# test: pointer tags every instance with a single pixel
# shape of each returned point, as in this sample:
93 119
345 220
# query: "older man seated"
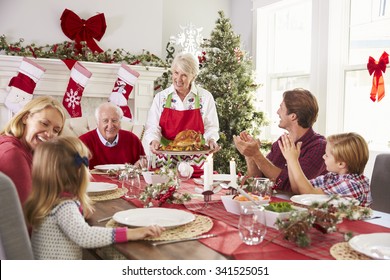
108 143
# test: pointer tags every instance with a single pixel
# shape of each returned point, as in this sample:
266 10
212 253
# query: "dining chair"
14 237
380 183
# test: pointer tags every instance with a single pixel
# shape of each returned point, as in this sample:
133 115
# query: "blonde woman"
58 204
345 157
39 120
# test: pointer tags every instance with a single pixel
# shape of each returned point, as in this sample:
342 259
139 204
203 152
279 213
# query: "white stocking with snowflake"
79 77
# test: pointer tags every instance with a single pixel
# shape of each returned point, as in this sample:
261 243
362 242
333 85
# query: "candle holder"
232 191
207 197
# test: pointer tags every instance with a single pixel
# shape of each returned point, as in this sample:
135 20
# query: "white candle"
211 162
206 176
233 175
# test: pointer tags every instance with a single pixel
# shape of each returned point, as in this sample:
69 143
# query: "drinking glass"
132 183
145 163
252 225
184 170
263 187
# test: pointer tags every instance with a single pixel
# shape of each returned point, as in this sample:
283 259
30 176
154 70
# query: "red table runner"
275 247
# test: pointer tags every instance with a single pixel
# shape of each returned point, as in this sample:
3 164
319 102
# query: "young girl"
58 203
345 157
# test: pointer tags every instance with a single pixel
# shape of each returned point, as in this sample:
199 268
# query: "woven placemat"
100 196
342 251
200 225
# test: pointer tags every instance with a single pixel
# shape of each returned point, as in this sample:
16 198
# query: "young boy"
345 157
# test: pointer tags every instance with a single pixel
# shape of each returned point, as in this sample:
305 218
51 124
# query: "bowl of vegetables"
279 210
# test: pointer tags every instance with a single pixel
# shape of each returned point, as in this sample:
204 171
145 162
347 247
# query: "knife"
183 239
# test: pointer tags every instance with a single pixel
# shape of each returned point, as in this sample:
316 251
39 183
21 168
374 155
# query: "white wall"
242 21
131 24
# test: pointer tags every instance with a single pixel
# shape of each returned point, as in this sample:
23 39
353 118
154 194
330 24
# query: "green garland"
67 50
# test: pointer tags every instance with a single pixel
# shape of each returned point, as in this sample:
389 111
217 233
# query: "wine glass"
263 187
145 163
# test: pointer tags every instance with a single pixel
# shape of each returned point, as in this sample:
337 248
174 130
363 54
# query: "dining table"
225 243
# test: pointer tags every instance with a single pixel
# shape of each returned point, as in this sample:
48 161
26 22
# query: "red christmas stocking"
123 87
79 76
21 87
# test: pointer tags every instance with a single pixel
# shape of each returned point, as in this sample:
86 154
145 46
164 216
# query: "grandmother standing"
183 106
38 121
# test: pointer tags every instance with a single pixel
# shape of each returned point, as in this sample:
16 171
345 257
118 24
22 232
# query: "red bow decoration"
377 67
83 30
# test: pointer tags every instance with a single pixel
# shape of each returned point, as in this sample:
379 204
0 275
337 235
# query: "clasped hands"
288 148
250 147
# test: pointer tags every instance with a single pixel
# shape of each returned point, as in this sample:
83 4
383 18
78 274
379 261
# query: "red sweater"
16 163
128 149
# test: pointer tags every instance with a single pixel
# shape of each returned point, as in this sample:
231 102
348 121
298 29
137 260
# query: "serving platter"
183 153
142 217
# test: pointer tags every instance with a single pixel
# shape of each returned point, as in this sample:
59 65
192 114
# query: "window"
369 36
324 45
284 50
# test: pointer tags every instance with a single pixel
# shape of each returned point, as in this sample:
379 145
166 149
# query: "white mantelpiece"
55 80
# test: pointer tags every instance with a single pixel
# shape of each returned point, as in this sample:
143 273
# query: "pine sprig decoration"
165 192
67 50
320 216
226 71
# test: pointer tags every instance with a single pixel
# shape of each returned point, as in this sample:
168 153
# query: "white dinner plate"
165 217
374 245
100 187
110 166
309 199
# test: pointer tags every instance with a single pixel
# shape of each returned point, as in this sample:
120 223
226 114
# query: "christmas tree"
226 71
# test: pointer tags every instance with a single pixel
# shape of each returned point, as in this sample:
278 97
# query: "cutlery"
217 189
183 239
372 218
224 186
241 191
104 219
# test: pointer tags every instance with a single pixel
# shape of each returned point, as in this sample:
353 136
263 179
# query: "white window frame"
329 63
317 74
